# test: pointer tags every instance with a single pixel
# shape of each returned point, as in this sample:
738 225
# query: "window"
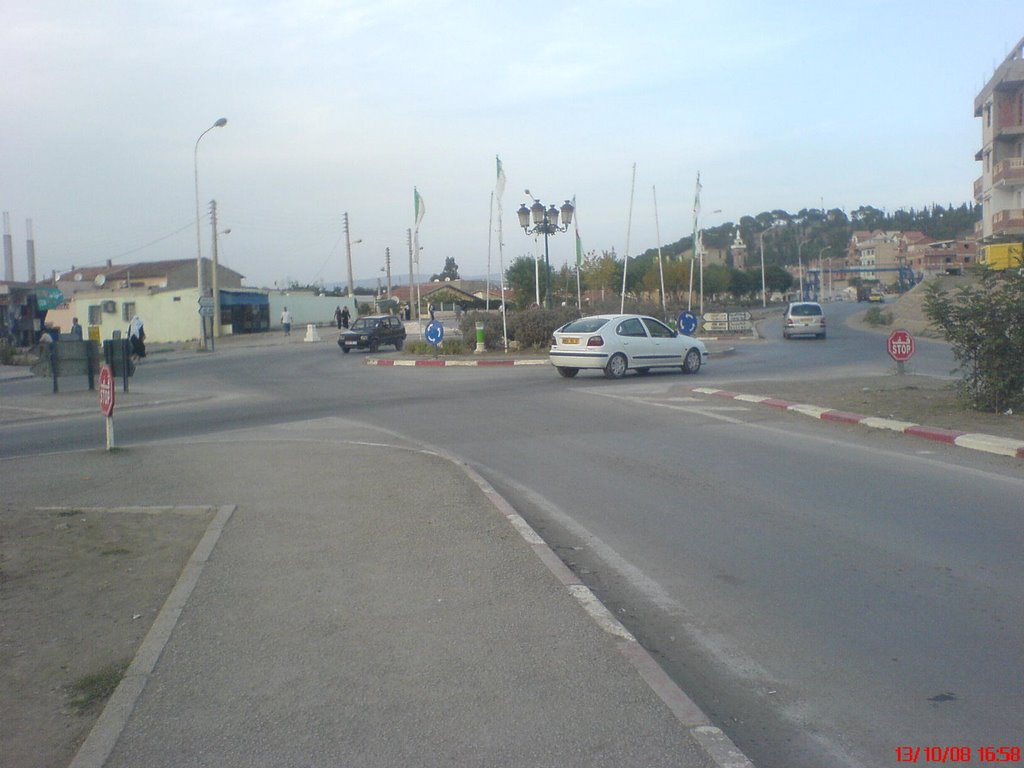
95 314
631 327
127 310
658 330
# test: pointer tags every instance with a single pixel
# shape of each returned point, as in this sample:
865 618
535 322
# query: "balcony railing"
1009 172
977 188
1008 222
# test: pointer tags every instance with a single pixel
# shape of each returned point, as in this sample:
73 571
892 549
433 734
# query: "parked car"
371 332
616 343
804 318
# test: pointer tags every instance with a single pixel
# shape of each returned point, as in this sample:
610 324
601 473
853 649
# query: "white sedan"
616 343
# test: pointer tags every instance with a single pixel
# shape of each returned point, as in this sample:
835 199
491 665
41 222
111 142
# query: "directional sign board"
688 322
900 345
434 332
107 390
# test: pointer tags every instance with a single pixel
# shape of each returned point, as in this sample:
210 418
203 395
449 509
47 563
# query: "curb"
1001 446
438 363
712 740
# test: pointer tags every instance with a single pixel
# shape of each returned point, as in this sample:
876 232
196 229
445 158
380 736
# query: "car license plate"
570 340
351 342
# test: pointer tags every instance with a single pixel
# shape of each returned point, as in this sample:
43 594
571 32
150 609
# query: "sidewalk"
334 616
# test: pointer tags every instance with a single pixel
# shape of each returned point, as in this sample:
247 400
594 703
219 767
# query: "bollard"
311 333
480 345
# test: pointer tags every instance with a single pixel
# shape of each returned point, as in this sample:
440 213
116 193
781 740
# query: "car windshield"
585 325
364 324
805 310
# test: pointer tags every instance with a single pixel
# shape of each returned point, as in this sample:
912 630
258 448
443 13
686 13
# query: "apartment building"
1000 189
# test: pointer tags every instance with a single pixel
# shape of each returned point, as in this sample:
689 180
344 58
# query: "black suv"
372 331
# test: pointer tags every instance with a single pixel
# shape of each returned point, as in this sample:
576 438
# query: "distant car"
616 343
804 318
371 332
876 297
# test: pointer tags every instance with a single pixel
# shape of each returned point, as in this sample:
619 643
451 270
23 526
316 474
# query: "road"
825 594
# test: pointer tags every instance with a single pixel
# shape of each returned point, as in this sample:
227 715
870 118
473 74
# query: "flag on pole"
696 199
420 208
499 186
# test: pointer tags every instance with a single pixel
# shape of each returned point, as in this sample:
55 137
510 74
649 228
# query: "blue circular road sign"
687 322
434 332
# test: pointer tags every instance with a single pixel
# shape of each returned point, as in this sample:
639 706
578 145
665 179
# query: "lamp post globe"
541 220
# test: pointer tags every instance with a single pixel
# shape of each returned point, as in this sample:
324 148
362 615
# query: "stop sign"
900 345
107 390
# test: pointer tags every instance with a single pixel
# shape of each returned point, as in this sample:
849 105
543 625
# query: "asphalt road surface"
828 595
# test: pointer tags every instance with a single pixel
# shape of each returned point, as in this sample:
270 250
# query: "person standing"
337 316
76 329
137 337
286 322
344 318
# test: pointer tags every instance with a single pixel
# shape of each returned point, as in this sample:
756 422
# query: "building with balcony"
1000 189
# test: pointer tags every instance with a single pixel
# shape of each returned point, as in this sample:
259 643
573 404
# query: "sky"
338 106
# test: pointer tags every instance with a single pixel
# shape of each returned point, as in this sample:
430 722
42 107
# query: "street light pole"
821 275
545 222
199 239
760 237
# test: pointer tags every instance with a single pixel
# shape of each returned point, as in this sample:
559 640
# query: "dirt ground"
79 590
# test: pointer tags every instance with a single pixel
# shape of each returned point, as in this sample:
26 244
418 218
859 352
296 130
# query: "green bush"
876 316
418 347
532 328
492 328
985 326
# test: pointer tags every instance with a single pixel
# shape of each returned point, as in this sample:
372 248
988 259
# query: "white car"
616 343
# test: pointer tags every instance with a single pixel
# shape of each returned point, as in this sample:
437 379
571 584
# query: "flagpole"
629 227
536 268
661 269
490 232
579 259
696 210
500 189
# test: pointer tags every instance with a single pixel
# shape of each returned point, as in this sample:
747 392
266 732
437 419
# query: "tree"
602 272
450 271
776 279
985 326
521 277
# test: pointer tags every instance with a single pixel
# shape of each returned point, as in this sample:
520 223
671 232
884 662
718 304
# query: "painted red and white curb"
452 363
1003 446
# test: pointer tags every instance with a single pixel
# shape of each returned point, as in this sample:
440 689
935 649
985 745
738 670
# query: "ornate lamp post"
545 221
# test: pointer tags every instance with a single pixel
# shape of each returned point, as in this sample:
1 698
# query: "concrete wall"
307 308
169 316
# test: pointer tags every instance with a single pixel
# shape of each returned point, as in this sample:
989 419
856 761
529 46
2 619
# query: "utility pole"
387 266
214 284
348 251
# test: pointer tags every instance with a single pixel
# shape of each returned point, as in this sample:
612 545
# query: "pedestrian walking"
286 322
344 318
337 316
137 337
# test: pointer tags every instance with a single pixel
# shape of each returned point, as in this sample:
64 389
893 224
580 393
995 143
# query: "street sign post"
900 347
107 401
688 322
434 334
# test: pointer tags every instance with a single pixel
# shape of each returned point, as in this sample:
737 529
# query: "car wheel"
691 361
567 373
398 344
616 367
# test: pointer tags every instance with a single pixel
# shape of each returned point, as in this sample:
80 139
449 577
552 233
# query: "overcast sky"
336 106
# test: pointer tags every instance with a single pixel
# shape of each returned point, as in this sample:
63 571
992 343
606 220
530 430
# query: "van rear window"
806 310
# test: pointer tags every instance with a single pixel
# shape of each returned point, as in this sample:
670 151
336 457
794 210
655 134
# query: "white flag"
499 186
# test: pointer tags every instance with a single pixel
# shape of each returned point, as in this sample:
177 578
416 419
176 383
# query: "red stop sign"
900 345
107 390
